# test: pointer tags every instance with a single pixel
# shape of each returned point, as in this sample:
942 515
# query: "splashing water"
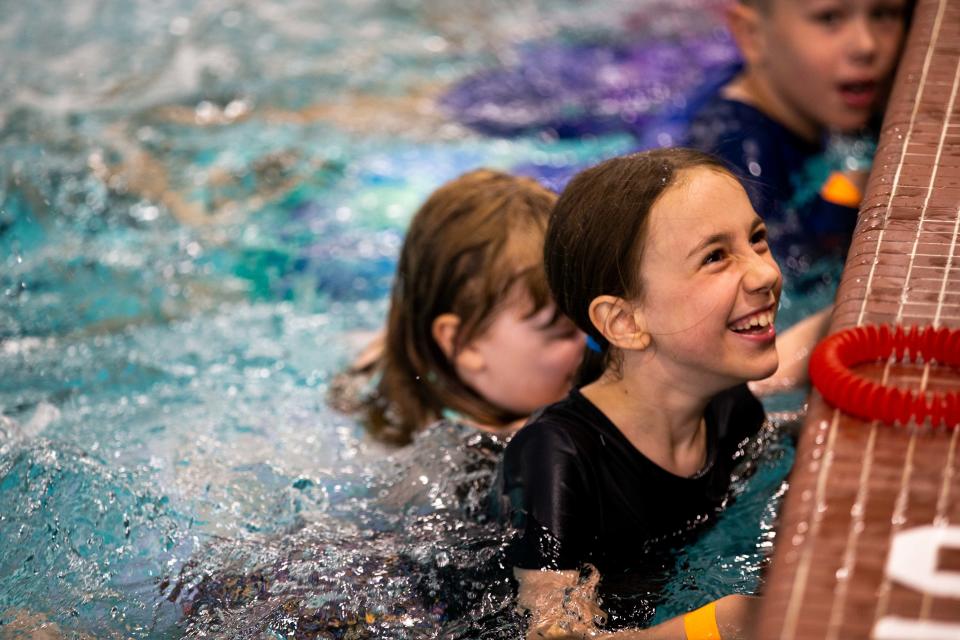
201 205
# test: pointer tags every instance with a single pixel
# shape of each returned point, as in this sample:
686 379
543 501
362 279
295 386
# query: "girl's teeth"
759 320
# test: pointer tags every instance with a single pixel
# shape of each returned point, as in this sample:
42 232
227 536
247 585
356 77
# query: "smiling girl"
660 258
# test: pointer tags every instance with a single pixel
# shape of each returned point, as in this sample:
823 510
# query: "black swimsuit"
581 493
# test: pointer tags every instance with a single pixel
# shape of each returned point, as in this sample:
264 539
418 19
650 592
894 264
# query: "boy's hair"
596 234
472 242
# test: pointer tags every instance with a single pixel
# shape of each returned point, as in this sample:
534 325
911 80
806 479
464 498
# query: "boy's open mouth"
757 323
858 95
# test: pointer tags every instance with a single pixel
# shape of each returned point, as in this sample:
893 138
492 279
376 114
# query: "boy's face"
829 63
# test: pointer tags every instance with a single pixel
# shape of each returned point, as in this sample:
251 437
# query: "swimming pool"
201 207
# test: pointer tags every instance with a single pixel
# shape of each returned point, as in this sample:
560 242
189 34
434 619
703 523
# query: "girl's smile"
756 325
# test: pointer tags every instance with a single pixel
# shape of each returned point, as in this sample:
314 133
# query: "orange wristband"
701 624
839 190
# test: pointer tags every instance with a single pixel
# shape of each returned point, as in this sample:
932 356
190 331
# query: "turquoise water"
201 205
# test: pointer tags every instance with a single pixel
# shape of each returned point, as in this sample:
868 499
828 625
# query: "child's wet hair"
596 234
476 241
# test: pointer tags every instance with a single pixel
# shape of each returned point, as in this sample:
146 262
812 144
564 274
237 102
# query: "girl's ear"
445 329
744 23
620 322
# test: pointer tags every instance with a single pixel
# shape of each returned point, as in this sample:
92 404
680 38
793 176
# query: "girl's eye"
714 256
566 333
759 237
559 328
561 331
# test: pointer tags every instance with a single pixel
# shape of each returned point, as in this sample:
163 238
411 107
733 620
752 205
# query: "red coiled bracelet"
832 359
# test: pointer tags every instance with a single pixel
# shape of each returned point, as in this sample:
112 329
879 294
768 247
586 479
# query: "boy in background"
796 120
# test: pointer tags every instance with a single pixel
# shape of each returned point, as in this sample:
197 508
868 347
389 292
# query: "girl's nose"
762 274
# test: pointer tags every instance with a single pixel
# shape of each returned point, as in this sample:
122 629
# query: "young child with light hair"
472 334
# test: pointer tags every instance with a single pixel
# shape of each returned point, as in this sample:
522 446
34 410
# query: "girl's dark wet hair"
476 239
596 234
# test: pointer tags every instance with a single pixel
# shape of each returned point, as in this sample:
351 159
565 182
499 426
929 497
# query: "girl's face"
524 362
710 285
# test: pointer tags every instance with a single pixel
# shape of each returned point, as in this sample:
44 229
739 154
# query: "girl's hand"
735 619
562 604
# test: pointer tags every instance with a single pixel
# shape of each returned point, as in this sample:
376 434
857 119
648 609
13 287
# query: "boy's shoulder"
733 113
722 122
754 145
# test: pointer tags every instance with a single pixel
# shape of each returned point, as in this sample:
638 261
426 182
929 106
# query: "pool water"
201 207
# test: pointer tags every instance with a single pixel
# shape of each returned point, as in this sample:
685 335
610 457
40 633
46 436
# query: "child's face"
710 285
527 362
830 62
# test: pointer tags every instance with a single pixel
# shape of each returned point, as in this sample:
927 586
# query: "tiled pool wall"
870 531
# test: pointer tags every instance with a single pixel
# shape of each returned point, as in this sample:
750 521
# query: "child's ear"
744 24
445 329
620 322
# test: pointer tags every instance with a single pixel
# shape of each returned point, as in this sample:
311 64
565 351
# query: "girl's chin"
770 370
762 373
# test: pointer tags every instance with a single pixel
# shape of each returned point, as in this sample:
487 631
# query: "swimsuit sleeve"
550 502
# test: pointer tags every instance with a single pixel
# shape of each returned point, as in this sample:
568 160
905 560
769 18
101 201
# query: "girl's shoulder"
572 425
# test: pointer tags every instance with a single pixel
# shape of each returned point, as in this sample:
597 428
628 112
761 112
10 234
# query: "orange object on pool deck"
701 624
838 189
830 372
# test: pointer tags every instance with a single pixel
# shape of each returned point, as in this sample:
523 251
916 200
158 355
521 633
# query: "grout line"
792 615
936 167
941 519
935 32
845 573
898 520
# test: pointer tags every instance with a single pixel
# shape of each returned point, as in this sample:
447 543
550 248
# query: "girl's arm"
563 606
